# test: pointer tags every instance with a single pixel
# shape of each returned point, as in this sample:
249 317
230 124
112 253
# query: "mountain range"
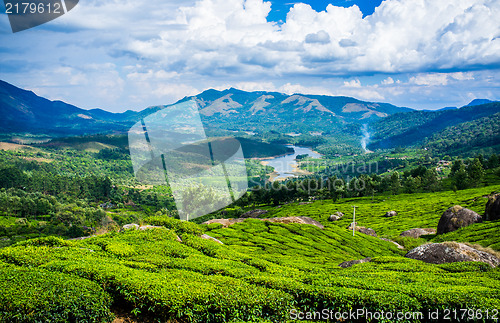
233 112
24 111
440 128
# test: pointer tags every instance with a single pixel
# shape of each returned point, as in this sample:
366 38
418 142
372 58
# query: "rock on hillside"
350 263
457 217
390 214
417 232
135 226
253 213
287 220
492 208
394 243
207 237
440 253
364 230
335 216
296 219
225 222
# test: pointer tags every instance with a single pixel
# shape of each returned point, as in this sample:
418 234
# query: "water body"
284 165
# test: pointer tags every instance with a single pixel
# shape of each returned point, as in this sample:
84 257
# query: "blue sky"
130 54
281 8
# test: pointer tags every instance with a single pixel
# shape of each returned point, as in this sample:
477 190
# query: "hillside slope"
467 138
24 111
264 272
407 129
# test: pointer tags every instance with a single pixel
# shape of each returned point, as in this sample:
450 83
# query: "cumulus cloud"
430 79
321 37
388 81
157 50
401 36
435 79
353 83
290 89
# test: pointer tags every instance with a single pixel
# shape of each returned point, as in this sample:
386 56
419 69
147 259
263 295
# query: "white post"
354 220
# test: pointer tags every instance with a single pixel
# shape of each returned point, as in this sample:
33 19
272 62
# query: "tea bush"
36 295
261 273
174 224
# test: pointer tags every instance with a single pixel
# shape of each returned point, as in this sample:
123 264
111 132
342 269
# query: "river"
284 165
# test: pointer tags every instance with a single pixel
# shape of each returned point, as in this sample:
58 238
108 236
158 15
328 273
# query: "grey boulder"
350 263
416 233
492 208
390 214
457 217
440 253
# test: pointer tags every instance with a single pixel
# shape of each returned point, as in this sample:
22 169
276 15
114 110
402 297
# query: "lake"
284 165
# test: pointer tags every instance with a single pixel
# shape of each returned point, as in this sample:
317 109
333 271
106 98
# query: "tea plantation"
264 272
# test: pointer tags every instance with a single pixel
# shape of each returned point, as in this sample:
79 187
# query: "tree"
475 172
430 180
460 178
395 183
493 161
412 184
455 167
12 177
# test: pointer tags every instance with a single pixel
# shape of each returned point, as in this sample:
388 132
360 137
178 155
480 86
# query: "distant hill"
478 102
23 111
250 106
447 108
468 138
230 110
409 129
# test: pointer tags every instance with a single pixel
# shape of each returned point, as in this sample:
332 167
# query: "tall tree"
475 172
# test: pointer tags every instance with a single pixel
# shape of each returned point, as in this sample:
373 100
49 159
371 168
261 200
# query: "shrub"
50 297
177 225
47 241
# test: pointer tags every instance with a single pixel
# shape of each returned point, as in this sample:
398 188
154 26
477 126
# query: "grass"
262 272
484 234
421 210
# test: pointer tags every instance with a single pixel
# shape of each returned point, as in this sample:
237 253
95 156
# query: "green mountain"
468 138
23 111
418 127
273 117
235 109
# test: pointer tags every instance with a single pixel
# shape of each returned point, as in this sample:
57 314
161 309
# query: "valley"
83 240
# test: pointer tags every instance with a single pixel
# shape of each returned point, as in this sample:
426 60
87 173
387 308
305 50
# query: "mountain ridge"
25 111
272 116
412 128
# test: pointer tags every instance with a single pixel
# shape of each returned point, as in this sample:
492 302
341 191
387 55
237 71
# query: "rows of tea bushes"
421 210
484 234
38 295
262 272
301 246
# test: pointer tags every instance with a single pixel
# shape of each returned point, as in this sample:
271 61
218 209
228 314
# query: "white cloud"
152 50
430 79
289 88
388 81
401 36
321 37
177 91
254 86
353 83
436 79
461 76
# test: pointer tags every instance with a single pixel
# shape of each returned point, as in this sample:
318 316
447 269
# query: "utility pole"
354 220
